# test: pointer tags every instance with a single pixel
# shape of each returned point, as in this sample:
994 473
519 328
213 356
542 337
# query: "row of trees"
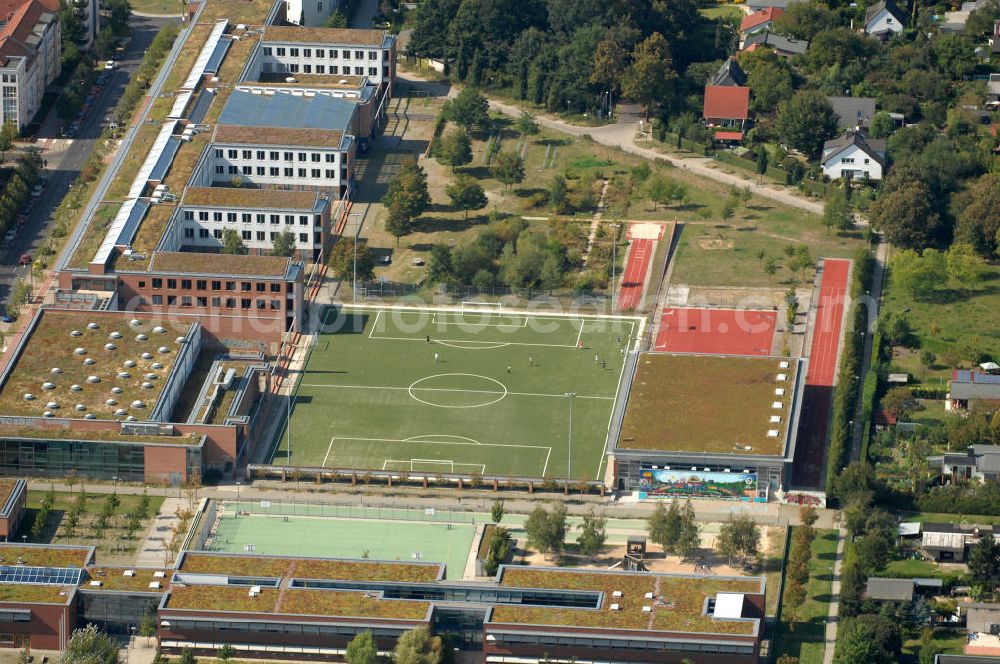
797 568
920 275
546 530
567 54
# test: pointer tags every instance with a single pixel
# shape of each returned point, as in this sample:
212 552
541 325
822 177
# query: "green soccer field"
347 538
487 393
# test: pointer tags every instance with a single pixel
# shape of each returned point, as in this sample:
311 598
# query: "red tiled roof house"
727 111
759 21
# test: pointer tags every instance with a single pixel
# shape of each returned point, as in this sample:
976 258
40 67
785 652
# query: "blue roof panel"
288 111
215 60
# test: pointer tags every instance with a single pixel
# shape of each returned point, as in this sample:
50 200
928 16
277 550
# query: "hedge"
845 394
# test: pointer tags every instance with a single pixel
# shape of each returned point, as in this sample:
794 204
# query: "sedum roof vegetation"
33 594
310 568
302 35
43 556
60 432
6 489
277 199
52 346
294 601
701 403
113 578
678 601
220 264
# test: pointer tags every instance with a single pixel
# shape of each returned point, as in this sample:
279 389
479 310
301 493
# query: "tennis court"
300 535
459 391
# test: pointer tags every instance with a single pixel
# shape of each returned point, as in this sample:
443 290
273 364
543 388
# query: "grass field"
804 639
487 394
348 538
954 323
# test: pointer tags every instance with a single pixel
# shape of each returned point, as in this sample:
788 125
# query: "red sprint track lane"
634 278
807 467
829 317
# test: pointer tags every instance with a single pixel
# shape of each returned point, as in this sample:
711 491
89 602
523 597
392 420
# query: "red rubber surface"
716 331
634 279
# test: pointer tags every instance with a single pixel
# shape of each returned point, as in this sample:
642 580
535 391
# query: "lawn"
487 394
912 568
805 638
161 7
112 547
734 253
955 324
722 11
944 641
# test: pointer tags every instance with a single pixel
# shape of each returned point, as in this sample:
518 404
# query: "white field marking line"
374 324
439 462
328 448
442 442
530 314
445 322
458 344
545 468
453 389
579 335
416 439
453 341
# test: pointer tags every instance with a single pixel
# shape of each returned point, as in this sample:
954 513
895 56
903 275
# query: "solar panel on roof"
60 576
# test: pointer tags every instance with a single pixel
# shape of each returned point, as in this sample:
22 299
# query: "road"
65 157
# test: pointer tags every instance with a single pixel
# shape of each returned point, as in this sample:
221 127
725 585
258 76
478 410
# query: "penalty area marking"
457 440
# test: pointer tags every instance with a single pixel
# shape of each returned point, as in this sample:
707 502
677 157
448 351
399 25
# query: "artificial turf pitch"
373 396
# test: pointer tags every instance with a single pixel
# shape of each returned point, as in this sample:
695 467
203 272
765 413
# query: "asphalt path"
65 157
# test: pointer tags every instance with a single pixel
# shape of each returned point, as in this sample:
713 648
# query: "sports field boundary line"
452 389
524 312
453 343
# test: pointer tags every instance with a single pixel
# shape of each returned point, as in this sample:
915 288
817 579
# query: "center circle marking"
415 386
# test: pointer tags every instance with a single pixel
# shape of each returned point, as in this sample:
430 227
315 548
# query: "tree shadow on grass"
439 224
555 142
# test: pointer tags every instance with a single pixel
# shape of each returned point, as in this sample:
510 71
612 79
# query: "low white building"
309 13
30 58
884 19
854 156
333 52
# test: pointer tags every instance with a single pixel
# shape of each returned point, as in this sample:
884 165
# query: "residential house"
884 19
885 590
30 56
978 462
759 5
759 21
854 155
967 389
983 625
727 111
729 74
965 659
786 47
954 22
853 112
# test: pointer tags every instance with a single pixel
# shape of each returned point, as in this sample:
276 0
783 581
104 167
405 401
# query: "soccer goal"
471 306
433 465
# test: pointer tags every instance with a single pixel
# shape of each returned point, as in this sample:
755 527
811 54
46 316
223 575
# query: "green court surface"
347 538
418 390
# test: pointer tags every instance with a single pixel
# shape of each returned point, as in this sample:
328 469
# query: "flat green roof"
709 404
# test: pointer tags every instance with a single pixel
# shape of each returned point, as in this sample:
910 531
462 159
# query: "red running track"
716 331
829 317
810 448
634 278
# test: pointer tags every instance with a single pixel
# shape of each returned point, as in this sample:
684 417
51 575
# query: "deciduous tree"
806 121
468 109
232 243
651 78
283 244
466 194
362 649
344 258
454 149
592 533
508 168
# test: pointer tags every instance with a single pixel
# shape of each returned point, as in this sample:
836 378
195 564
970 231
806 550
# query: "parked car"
10 235
110 65
37 190
24 260
6 318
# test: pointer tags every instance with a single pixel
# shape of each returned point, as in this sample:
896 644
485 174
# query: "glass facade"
55 458
116 613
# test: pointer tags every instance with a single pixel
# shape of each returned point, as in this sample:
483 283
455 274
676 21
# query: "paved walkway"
834 612
451 499
153 551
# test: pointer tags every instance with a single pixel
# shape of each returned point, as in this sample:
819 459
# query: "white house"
854 155
884 19
333 52
309 13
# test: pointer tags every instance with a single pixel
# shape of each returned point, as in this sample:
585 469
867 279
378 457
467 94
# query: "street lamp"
569 454
237 498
